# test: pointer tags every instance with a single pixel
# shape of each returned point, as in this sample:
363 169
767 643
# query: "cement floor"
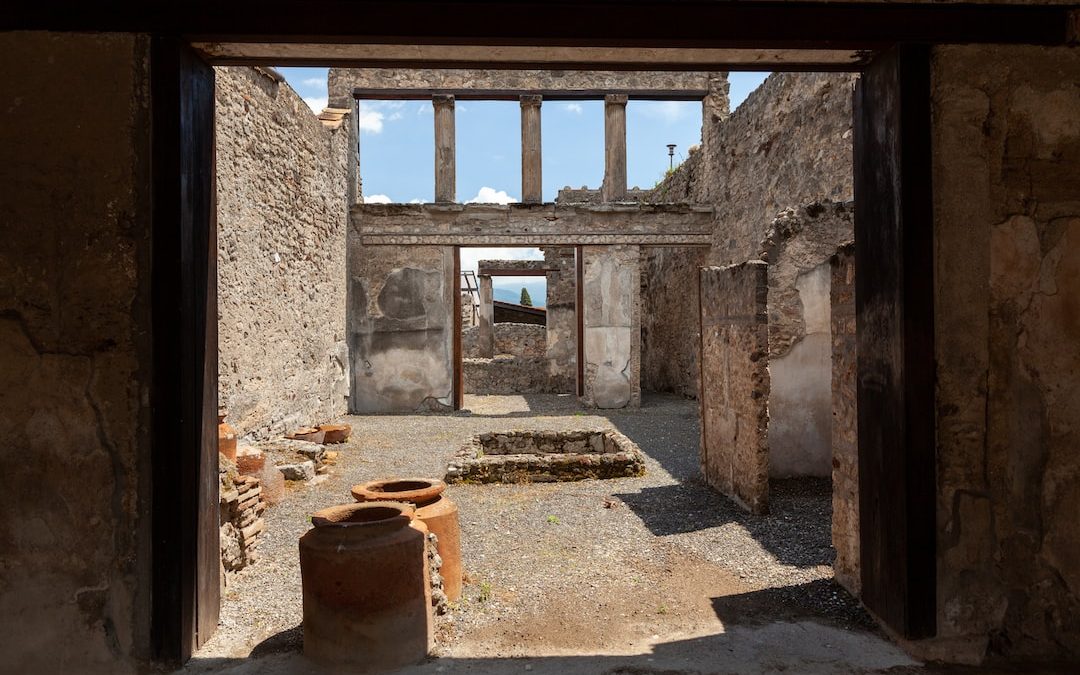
641 575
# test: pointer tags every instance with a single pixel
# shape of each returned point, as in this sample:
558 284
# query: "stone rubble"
241 522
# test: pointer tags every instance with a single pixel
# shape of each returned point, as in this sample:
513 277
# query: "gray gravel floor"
614 566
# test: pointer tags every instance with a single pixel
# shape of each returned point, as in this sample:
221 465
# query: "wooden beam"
752 24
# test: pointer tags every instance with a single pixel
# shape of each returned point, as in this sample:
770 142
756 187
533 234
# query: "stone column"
561 350
487 318
614 187
532 189
445 160
612 323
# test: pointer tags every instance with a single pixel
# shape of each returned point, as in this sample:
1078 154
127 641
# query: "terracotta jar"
367 595
226 438
435 509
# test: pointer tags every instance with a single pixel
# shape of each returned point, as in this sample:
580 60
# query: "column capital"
442 100
615 99
531 100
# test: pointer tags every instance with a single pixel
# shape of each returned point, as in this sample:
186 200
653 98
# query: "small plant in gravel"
554 520
485 592
662 609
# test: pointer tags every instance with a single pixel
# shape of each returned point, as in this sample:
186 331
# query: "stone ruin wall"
75 357
1006 147
787 145
520 365
799 247
282 219
845 421
734 426
513 339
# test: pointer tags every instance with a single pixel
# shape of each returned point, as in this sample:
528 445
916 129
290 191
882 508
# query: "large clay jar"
226 438
435 509
367 595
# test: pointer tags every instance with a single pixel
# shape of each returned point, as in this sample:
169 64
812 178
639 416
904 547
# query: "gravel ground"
618 566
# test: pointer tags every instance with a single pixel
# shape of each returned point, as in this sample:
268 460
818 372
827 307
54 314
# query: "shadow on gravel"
821 600
797 531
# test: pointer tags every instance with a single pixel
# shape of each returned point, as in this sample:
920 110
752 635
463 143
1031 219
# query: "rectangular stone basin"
545 457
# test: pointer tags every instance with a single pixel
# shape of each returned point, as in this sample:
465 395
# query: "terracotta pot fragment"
226 438
335 433
309 434
437 511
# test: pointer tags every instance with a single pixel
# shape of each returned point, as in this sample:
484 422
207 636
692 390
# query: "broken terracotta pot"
434 508
335 433
226 438
367 594
309 434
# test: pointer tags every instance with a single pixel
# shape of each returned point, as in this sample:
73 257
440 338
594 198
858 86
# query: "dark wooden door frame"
894 299
185 555
184 379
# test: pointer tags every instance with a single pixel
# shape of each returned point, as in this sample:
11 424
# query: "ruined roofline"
515 268
344 84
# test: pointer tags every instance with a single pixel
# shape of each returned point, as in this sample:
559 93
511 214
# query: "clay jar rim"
412 490
372 515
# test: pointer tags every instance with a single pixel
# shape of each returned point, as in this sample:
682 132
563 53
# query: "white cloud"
370 119
316 103
668 111
416 201
488 195
314 82
377 199
395 117
470 256
573 107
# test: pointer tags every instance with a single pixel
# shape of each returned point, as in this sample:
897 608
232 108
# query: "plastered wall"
74 352
400 327
1006 148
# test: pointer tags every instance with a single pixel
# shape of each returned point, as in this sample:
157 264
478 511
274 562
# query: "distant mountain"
537 291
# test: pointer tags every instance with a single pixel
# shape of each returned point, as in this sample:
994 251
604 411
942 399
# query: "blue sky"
397 146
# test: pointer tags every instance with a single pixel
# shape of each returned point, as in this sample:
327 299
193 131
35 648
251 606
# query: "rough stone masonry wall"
845 439
734 370
515 339
787 145
798 248
74 352
562 318
1006 147
282 218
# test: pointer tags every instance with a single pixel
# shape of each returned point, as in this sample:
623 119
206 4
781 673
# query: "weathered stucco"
282 217
844 431
612 324
74 352
400 327
735 375
1006 144
798 247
